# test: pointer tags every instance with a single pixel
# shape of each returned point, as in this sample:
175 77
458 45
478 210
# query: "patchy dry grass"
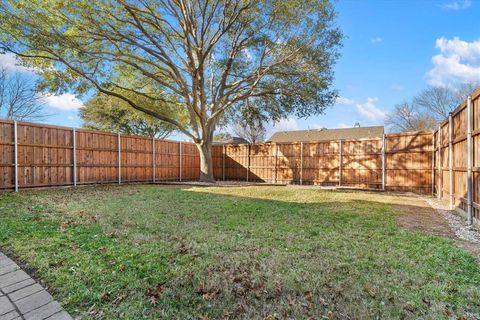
150 252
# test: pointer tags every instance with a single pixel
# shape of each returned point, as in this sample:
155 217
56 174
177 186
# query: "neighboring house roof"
232 140
327 134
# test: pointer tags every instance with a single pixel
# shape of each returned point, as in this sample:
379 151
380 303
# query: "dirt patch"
420 216
423 219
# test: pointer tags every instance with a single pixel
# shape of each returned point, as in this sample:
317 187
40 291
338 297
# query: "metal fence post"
340 160
15 155
383 162
469 162
74 137
119 142
154 160
276 160
223 163
248 161
180 160
301 162
439 179
450 160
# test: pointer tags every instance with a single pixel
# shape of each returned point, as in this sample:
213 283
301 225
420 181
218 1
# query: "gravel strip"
457 223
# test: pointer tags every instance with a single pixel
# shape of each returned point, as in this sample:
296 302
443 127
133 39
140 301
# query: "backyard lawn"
258 252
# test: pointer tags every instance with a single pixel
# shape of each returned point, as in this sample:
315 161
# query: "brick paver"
22 298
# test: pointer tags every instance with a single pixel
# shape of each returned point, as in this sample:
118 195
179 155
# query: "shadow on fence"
400 162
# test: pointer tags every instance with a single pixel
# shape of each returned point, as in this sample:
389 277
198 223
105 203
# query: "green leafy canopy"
197 58
201 56
107 113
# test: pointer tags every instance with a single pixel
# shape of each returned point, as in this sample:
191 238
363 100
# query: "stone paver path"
22 298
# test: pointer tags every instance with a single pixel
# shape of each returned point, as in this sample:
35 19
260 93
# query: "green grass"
152 252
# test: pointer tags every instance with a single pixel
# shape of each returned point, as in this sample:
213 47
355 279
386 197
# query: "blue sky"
392 50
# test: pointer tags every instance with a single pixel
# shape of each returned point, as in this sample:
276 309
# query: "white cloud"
70 118
344 101
458 5
366 109
458 61
376 40
64 101
369 110
10 63
286 124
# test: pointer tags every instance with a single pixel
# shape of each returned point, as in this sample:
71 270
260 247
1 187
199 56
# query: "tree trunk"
206 164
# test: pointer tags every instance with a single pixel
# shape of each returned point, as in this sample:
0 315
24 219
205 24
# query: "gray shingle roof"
327 134
232 140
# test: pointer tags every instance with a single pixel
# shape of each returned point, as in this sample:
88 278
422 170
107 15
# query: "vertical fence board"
408 162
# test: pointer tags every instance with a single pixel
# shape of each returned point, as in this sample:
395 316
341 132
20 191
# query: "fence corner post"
469 162
15 155
74 138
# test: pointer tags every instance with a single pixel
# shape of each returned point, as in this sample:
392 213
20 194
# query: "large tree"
108 113
201 56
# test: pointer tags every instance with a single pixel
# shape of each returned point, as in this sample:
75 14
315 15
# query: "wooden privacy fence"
34 155
400 162
457 158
